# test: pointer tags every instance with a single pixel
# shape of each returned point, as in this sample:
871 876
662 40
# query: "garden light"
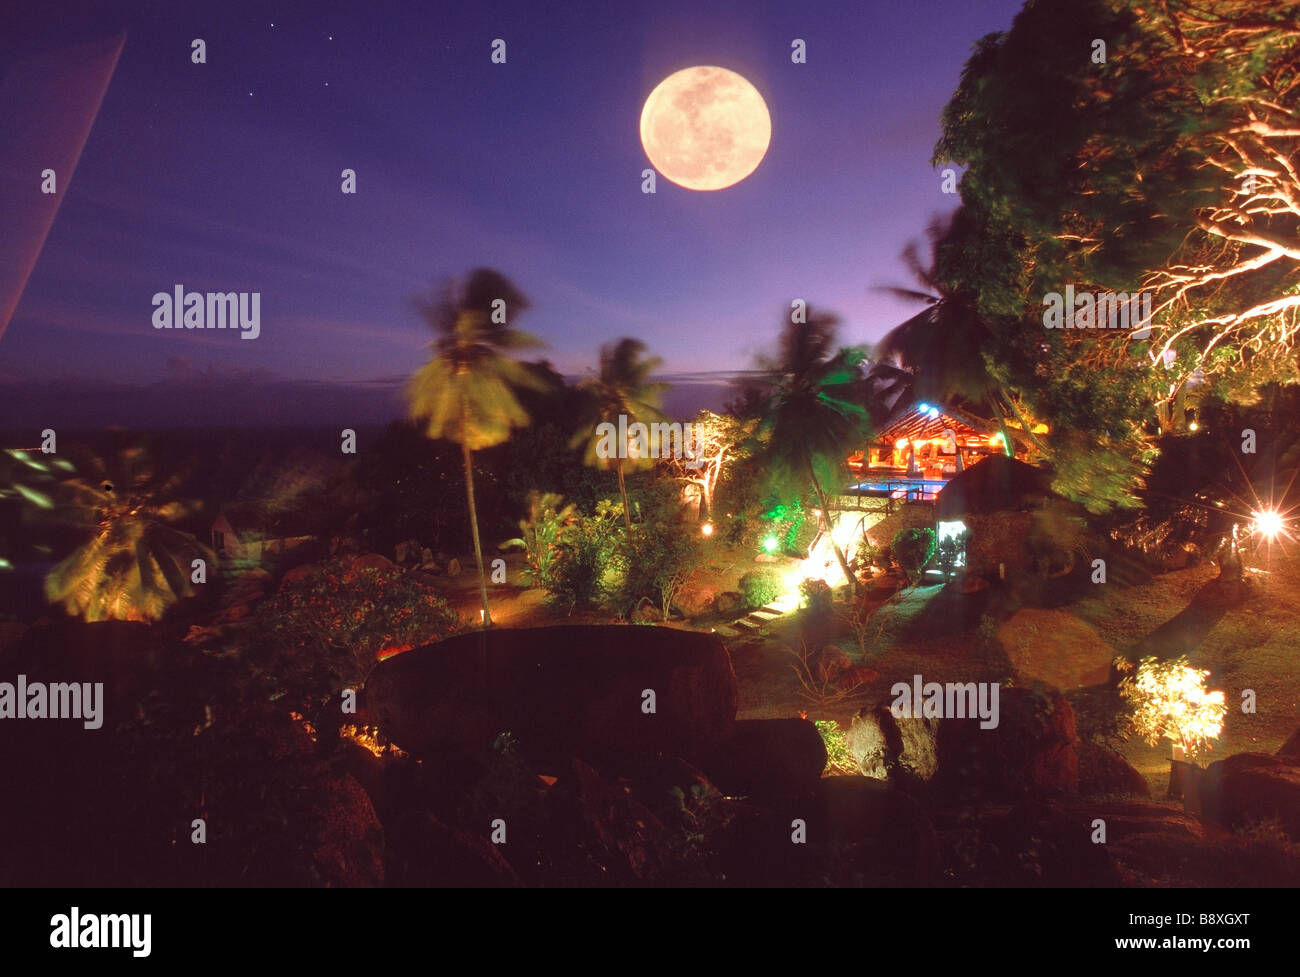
706 529
1268 524
770 544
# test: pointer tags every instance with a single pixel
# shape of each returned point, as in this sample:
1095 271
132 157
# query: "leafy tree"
621 387
719 440
467 392
134 564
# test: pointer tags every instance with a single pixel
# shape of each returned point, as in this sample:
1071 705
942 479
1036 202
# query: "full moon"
705 128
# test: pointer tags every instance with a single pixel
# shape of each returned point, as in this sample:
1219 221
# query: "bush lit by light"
1170 701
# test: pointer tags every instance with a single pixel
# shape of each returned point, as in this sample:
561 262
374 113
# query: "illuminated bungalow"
899 475
920 448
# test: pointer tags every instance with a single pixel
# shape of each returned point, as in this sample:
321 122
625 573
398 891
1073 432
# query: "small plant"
839 760
542 531
759 587
913 549
1170 701
822 686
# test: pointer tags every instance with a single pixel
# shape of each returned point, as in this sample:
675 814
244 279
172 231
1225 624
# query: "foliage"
759 587
542 533
585 551
621 388
468 391
814 415
321 633
913 549
1170 701
785 523
839 760
655 560
134 564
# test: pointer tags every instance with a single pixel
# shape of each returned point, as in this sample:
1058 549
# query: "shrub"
759 587
542 530
583 557
321 633
913 549
656 560
839 759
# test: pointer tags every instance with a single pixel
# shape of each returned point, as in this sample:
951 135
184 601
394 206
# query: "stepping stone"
765 615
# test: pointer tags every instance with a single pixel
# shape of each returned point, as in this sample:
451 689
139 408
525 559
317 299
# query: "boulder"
1029 753
571 691
1291 748
767 758
454 568
371 561
693 602
646 613
765 558
425 853
605 817
728 602
426 560
1103 772
857 833
889 747
299 573
347 840
971 583
1250 788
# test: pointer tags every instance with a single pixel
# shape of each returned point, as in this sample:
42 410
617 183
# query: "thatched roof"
914 424
995 484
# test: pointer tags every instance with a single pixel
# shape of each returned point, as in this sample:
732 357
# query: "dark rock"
563 692
1029 752
728 602
1291 748
1250 788
303 572
768 757
857 832
1103 772
425 853
371 561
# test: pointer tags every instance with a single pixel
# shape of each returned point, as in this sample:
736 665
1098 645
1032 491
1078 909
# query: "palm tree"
941 352
811 411
134 565
621 387
467 392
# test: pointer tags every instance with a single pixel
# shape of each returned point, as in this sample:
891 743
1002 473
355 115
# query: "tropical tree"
134 564
468 391
719 439
620 390
810 415
945 351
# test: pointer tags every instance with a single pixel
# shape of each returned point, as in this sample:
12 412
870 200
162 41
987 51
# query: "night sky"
225 176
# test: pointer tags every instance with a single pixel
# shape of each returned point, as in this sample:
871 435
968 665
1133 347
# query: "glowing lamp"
1193 426
924 408
770 544
706 529
1268 524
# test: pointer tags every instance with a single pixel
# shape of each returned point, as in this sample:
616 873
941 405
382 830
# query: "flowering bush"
328 628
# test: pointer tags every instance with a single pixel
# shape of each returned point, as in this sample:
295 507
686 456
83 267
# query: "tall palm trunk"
622 490
830 529
473 526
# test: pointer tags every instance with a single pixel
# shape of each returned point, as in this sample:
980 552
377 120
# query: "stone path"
751 622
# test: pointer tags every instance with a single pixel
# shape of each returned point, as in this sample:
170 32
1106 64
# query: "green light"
771 543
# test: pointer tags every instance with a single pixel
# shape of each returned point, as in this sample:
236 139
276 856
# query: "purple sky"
225 176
